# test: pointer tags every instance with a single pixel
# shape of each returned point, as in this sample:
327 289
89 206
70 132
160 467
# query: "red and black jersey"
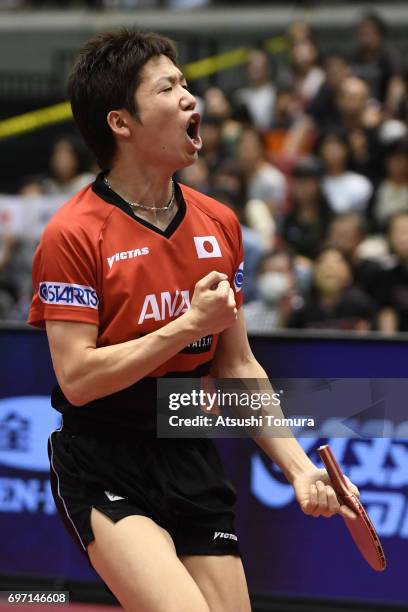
98 263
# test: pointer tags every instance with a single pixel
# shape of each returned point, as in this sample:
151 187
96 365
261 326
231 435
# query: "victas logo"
112 496
68 294
124 255
207 246
239 277
165 306
225 536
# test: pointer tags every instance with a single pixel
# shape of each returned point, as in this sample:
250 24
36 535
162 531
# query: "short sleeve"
64 278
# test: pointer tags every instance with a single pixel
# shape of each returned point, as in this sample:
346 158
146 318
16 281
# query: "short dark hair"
307 167
361 221
285 250
376 21
105 76
328 248
397 147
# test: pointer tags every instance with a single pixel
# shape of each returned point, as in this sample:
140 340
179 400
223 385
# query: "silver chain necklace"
134 205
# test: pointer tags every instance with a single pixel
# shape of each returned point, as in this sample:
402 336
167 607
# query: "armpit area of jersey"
126 413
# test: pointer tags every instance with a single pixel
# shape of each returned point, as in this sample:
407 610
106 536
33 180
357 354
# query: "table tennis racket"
361 529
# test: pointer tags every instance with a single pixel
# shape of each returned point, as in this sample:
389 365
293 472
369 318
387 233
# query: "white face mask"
272 286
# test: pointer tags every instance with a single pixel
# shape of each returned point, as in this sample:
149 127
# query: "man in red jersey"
137 277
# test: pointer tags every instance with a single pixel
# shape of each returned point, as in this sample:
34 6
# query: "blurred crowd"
130 4
102 4
312 154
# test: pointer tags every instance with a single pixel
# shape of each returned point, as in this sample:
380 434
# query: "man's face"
334 154
166 131
257 69
397 167
352 97
306 189
345 234
249 150
337 70
369 36
331 272
399 236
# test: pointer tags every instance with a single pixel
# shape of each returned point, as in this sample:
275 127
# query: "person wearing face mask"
277 293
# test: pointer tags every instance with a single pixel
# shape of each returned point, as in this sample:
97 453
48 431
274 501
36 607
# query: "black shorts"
179 484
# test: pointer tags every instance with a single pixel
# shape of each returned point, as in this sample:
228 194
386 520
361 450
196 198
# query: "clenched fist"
213 306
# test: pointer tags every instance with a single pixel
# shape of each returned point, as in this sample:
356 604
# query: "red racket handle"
334 471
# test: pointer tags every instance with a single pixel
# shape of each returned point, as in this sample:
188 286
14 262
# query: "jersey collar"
111 197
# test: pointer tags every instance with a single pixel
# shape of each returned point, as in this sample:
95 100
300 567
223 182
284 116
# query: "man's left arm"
234 359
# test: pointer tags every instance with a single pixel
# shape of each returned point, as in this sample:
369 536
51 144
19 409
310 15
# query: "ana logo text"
165 306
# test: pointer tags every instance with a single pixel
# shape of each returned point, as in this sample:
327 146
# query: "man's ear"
118 123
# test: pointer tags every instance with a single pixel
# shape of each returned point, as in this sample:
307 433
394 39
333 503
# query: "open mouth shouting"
193 131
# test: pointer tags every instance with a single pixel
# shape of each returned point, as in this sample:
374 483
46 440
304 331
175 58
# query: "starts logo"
68 294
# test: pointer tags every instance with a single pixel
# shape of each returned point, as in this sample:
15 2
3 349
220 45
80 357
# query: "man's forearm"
283 449
288 454
106 370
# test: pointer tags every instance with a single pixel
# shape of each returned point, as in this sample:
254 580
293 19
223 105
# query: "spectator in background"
252 245
196 176
378 63
217 104
286 108
393 289
259 97
333 302
298 31
323 107
345 191
305 227
264 181
68 170
352 116
266 187
9 290
68 167
228 175
31 185
211 134
306 75
277 293
348 233
392 194
286 113
360 121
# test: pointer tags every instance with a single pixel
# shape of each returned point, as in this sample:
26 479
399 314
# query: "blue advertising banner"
284 551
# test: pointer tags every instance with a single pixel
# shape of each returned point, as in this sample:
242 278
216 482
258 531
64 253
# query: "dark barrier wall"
283 550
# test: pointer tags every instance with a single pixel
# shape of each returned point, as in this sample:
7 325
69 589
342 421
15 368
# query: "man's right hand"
213 306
